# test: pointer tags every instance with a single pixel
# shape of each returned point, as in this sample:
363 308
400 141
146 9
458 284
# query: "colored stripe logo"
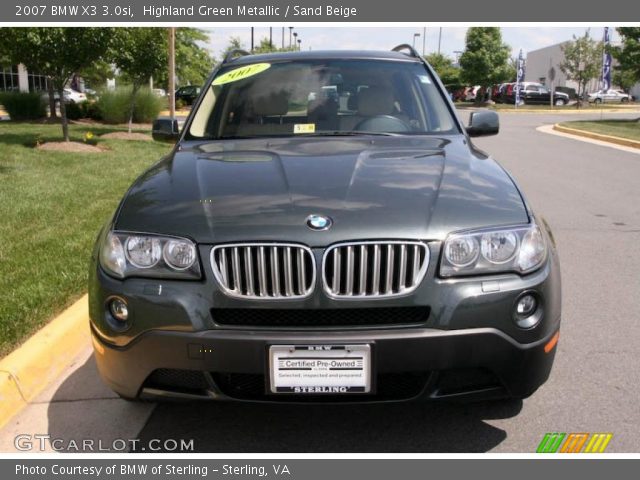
574 443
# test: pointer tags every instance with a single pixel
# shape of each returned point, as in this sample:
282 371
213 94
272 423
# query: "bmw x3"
324 229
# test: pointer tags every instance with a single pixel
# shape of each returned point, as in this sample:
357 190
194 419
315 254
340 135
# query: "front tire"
624 100
559 102
597 101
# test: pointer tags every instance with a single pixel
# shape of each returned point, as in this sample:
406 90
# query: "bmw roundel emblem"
319 222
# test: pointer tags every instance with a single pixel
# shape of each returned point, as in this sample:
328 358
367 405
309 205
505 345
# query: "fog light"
526 306
119 310
527 311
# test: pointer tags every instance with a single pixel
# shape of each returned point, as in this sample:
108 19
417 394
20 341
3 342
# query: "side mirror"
483 123
165 129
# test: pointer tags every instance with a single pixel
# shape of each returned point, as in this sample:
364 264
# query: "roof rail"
406 46
236 52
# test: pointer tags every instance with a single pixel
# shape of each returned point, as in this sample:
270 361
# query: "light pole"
251 39
415 35
424 40
282 38
439 40
172 72
270 37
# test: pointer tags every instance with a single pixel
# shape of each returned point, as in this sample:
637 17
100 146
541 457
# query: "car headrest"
273 103
375 101
322 109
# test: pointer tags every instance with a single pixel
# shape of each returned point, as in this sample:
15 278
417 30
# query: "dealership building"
544 63
16 78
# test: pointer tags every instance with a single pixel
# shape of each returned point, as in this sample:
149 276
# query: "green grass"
52 205
618 128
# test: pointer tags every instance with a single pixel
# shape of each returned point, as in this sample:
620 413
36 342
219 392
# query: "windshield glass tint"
322 97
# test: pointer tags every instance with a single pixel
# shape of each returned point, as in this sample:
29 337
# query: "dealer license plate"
320 369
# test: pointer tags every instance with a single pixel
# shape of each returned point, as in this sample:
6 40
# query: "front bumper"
474 363
468 347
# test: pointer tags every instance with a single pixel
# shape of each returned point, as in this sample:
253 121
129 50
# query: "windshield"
322 97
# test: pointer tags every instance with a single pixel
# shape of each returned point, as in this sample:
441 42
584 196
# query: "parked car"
609 96
325 254
70 96
471 93
534 93
73 96
160 92
571 92
498 92
188 94
90 92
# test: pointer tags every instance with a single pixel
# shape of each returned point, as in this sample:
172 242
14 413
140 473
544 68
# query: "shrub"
148 106
113 105
76 111
24 106
92 111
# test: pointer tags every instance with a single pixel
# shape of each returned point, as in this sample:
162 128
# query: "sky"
385 38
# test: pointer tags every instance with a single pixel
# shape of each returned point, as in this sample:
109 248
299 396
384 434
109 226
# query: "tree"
628 56
443 65
582 61
512 70
57 53
485 59
625 79
193 62
264 46
139 53
97 73
234 44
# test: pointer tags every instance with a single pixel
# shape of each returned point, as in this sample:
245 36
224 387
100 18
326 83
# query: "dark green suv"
325 230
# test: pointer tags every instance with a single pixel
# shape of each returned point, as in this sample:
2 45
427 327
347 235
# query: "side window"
533 88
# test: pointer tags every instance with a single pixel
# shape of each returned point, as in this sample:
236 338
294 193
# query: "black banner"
303 11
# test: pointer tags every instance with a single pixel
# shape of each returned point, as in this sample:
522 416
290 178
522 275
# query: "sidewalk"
75 407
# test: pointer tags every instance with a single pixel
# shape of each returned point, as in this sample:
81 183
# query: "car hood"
371 187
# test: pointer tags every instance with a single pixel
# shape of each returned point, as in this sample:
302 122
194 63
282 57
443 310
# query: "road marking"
549 130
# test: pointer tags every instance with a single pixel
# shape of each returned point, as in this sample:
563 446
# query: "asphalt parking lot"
590 195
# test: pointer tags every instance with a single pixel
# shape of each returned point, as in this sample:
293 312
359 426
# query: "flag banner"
519 77
605 77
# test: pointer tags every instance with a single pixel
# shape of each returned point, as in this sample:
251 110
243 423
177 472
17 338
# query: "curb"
28 370
573 111
560 110
179 113
598 136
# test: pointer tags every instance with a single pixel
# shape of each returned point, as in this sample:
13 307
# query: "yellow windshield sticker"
304 128
241 73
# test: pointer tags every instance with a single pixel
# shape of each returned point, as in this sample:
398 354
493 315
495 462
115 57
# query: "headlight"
461 251
128 254
143 252
179 254
517 249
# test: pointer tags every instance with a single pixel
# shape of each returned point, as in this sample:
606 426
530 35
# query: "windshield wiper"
338 133
335 133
